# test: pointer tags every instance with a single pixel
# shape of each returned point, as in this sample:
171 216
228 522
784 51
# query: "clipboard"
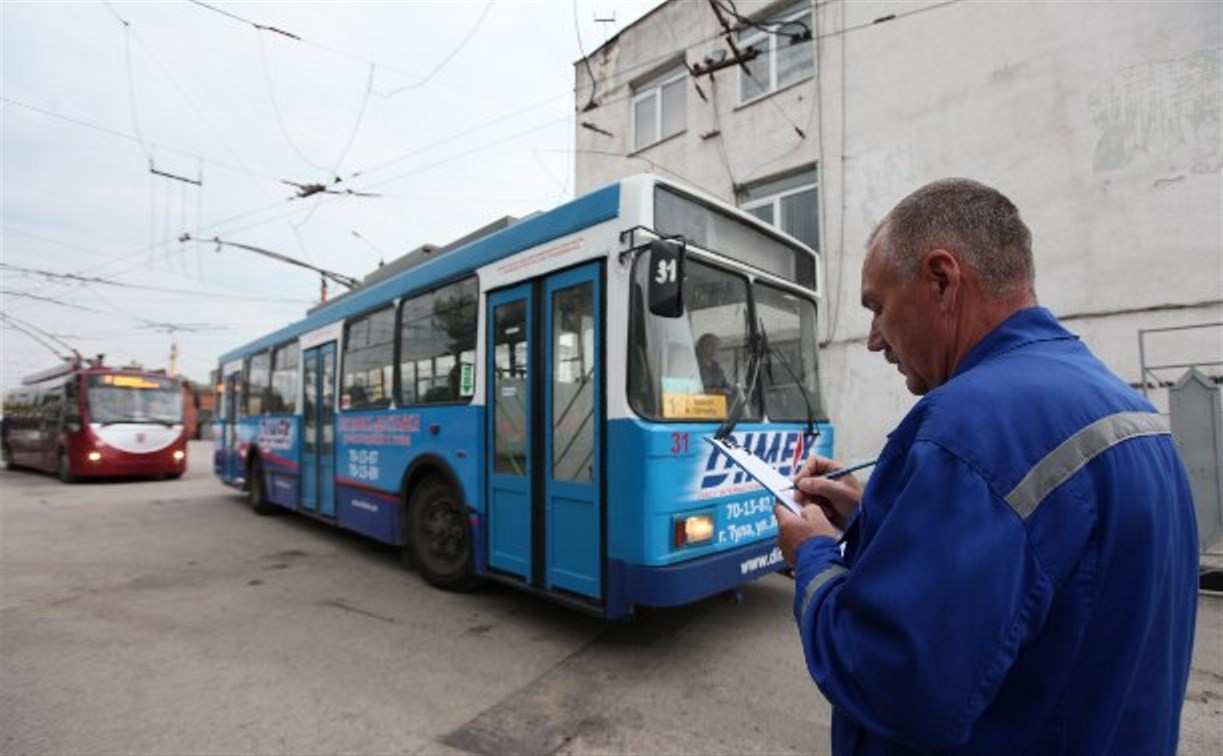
760 471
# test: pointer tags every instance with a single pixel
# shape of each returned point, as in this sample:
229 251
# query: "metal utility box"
1196 407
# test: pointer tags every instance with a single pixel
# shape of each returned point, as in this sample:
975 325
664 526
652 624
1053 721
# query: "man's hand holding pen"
828 505
836 495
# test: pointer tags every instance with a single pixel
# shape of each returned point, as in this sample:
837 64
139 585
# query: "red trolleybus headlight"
693 530
179 454
94 456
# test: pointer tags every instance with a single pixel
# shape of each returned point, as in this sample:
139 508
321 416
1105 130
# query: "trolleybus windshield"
117 398
691 368
739 336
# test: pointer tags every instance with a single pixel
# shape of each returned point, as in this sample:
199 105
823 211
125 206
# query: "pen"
847 470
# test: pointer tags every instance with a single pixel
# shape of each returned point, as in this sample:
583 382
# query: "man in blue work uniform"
1020 573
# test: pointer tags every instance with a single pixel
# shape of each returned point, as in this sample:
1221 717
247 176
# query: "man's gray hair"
974 222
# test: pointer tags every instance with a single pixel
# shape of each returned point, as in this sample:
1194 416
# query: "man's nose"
874 340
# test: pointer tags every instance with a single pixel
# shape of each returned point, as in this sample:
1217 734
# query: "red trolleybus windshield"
129 398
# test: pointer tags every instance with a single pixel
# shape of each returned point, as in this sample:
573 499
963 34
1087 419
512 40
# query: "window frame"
753 411
248 394
295 400
652 88
806 342
400 378
750 36
773 201
388 401
754 279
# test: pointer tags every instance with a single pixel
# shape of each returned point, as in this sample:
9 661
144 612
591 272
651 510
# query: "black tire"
256 492
438 536
63 468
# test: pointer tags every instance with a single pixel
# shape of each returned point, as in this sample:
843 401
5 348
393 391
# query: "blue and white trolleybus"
530 406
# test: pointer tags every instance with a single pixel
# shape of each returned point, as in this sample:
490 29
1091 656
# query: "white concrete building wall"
1102 121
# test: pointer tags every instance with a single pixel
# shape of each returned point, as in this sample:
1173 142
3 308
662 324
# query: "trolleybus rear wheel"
256 492
439 536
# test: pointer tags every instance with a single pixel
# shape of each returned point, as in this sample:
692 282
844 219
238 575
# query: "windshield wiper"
743 397
770 352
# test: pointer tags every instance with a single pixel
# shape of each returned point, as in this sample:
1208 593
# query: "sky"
133 134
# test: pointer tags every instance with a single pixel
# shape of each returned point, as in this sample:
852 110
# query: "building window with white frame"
659 107
785 53
791 203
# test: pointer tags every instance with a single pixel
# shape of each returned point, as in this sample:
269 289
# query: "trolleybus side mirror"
666 291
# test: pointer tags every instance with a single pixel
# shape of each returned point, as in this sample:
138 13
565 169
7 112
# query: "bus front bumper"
675 584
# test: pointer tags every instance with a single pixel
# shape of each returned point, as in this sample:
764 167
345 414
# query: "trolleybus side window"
282 397
237 404
258 378
52 406
369 359
437 345
72 407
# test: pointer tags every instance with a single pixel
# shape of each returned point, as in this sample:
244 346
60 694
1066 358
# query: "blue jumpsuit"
1021 576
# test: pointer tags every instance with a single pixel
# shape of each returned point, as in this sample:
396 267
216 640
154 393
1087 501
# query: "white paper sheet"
760 471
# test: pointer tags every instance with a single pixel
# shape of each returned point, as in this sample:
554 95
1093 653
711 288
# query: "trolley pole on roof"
339 278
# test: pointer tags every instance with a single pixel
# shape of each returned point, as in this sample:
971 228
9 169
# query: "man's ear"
942 272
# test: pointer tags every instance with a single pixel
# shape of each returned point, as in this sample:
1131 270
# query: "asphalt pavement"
165 617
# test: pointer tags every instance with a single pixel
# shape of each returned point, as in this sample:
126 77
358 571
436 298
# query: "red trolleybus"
83 420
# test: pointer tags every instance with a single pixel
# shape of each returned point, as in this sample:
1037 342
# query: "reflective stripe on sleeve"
1069 457
828 574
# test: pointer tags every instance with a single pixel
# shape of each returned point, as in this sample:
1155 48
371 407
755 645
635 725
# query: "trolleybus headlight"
95 456
179 454
693 530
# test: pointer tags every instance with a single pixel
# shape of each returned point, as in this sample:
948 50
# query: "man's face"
904 324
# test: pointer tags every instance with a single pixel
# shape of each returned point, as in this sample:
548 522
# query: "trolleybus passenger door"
573 411
510 408
545 412
318 431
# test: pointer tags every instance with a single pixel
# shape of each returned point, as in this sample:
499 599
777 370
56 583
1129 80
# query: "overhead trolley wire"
124 135
394 161
236 17
199 112
279 117
449 57
352 135
369 88
38 334
49 300
87 280
768 27
131 85
610 81
577 30
360 58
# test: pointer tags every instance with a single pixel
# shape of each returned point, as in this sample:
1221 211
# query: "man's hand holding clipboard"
832 502
759 470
